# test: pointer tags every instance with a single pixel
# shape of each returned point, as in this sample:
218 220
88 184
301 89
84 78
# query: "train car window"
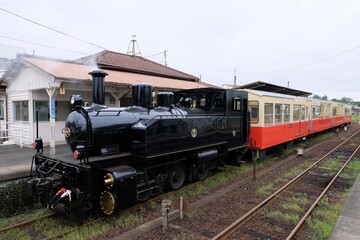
303 113
296 113
347 111
286 113
315 112
334 111
269 113
254 111
236 104
278 113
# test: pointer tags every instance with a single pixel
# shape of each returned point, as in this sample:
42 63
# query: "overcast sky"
312 45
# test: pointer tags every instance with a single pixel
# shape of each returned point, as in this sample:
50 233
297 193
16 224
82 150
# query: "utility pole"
235 77
132 47
165 58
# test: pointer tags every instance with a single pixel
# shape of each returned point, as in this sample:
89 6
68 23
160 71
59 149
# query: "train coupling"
38 186
61 194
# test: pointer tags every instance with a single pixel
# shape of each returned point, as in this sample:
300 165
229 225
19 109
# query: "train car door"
236 124
303 120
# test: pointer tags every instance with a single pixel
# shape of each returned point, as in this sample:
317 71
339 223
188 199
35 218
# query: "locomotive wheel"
201 171
176 177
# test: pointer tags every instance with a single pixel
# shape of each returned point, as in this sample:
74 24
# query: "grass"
355 118
15 234
266 189
331 166
294 218
324 217
22 217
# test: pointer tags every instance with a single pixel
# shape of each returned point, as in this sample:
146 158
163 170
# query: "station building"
34 83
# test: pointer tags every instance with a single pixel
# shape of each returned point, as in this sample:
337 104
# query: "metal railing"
12 131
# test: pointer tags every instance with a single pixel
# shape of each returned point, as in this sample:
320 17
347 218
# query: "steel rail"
247 216
26 222
301 222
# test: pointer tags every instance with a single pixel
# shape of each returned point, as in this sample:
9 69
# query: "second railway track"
256 223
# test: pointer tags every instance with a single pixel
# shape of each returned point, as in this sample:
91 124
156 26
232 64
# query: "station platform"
348 224
15 162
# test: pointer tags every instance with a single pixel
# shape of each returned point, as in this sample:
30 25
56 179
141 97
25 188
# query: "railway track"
71 228
242 225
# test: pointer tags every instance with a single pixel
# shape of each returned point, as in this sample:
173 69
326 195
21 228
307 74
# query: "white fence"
12 131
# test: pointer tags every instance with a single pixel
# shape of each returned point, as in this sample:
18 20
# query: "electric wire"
50 28
307 64
43 45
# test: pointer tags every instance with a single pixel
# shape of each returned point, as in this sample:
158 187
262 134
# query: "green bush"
14 199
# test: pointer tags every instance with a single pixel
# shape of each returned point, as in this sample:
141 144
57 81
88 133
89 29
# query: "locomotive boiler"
124 155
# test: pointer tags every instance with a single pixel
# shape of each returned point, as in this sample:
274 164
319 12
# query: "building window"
2 110
62 110
269 113
286 112
112 100
278 113
254 111
21 110
43 110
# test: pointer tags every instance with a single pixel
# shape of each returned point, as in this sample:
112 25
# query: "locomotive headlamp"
38 144
79 152
76 100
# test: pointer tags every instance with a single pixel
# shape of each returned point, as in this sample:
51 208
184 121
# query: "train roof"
279 95
268 87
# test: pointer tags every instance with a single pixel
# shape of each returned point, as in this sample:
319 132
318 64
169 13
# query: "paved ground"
16 162
348 224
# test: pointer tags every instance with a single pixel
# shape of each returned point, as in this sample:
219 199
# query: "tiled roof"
71 71
129 63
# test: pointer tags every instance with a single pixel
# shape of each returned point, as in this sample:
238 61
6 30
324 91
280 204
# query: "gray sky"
312 44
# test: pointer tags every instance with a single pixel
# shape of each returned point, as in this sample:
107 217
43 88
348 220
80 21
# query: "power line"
52 29
308 64
43 45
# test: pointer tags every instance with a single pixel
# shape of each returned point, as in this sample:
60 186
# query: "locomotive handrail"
56 162
177 116
43 165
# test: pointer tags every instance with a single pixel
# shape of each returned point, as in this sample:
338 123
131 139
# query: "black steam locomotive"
125 155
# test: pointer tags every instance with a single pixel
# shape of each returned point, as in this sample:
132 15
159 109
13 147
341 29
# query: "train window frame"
296 112
254 115
334 111
236 106
315 112
268 117
347 111
287 113
278 113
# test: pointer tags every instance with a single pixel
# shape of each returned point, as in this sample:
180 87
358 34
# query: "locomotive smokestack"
98 86
141 95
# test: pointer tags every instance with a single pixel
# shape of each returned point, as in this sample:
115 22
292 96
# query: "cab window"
254 111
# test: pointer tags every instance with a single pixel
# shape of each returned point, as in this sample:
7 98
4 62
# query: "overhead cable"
50 28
